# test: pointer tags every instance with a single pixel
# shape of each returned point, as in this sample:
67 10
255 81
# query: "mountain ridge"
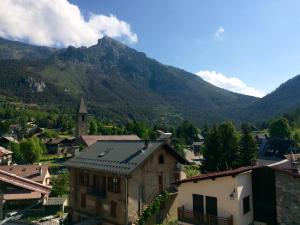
118 83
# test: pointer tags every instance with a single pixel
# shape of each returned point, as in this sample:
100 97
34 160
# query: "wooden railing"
192 217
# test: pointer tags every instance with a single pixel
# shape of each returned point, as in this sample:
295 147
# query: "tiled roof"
92 139
277 148
9 138
4 151
31 172
23 182
120 157
214 175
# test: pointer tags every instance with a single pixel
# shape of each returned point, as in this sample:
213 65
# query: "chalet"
6 140
113 181
36 173
5 156
274 150
59 145
20 192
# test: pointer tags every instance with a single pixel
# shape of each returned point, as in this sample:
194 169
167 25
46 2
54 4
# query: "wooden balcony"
192 217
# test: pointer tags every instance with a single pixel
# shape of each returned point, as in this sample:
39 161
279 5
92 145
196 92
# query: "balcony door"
198 205
161 182
211 206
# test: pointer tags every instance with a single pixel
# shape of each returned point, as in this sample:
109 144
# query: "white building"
217 198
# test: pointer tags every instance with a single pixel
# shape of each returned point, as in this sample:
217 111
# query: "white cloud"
219 33
230 83
58 23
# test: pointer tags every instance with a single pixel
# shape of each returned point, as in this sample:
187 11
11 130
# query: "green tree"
60 184
16 156
229 142
221 148
4 127
93 127
280 128
191 170
248 147
211 153
32 149
50 134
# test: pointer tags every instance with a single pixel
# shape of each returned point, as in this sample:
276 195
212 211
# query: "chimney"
146 144
40 169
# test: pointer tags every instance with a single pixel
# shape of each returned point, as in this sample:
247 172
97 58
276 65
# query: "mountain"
117 83
18 50
284 99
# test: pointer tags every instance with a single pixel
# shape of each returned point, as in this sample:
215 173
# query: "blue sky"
253 42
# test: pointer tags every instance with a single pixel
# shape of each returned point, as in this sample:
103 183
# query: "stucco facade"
229 192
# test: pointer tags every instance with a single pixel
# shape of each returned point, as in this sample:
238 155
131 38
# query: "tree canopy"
32 149
280 128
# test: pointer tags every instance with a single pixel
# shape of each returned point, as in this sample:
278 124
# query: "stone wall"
287 199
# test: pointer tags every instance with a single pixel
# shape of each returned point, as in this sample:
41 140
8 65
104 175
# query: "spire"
82 108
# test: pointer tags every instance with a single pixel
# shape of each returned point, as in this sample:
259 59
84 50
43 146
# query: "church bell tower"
82 125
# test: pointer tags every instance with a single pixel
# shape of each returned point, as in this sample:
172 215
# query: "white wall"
221 188
244 189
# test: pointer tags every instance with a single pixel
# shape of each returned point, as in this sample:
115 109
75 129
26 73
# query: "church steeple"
82 126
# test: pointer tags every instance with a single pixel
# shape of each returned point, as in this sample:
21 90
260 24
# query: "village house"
274 150
5 141
59 145
276 192
22 186
216 198
86 140
5 156
115 180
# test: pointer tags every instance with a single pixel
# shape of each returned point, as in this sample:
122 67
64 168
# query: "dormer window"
161 159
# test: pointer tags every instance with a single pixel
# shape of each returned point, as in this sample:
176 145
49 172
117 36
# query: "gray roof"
120 157
82 108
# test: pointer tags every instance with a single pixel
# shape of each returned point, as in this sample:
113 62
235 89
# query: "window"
246 204
96 182
82 118
161 159
84 179
113 208
83 201
114 184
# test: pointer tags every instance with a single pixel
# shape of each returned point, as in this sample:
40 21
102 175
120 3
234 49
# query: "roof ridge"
23 179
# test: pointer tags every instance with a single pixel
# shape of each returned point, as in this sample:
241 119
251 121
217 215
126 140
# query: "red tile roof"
4 152
213 175
23 182
31 172
92 139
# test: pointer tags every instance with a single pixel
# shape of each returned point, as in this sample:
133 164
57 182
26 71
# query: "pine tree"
212 155
229 142
248 147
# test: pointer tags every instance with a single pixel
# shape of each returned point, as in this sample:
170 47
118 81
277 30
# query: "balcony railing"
192 217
